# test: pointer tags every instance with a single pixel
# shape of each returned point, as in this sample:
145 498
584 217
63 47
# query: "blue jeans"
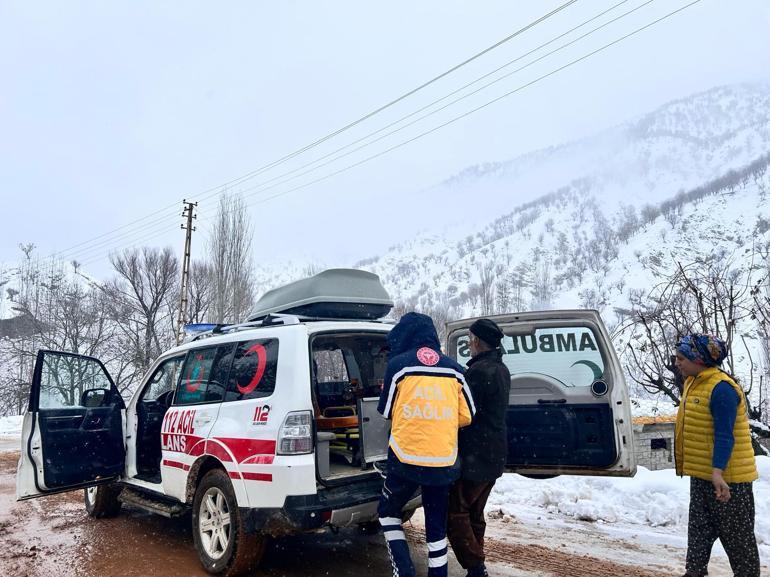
396 492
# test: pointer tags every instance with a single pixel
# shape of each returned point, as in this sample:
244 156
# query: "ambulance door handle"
202 420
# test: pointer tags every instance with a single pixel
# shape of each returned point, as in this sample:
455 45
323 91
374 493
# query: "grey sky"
113 111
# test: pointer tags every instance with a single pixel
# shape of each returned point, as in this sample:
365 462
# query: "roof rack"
271 320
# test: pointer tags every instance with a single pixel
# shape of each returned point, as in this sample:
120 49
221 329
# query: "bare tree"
542 285
502 295
487 288
230 257
703 296
201 293
707 296
142 298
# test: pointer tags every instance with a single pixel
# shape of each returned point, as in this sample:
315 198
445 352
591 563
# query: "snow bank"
652 498
10 426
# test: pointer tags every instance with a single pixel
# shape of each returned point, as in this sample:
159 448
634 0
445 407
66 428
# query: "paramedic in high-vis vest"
713 447
426 397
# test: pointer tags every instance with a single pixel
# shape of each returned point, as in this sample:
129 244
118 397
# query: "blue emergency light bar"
200 327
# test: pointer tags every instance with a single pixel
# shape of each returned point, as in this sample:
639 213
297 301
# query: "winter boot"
478 571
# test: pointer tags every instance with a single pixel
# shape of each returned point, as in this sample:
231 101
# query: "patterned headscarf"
703 349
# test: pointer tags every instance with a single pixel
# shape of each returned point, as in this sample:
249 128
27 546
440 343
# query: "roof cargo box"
337 293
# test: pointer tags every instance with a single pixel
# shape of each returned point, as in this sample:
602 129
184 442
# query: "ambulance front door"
568 409
73 430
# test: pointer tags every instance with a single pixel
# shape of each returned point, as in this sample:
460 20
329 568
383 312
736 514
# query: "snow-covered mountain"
678 146
574 225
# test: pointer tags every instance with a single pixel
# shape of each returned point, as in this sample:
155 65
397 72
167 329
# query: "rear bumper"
336 507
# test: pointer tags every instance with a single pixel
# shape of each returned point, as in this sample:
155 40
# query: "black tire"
243 551
102 501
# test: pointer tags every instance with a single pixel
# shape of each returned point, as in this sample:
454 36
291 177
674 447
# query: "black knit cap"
487 331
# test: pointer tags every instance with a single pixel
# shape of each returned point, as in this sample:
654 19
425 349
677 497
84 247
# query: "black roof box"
338 293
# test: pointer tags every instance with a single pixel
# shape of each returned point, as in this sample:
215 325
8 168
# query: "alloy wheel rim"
214 523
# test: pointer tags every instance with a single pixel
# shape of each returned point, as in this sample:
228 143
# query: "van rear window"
570 355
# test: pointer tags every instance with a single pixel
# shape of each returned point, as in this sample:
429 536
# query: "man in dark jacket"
483 446
427 399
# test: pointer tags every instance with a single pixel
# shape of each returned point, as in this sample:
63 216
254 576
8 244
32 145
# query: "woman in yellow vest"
713 447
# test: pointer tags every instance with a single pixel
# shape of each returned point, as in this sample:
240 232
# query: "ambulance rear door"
568 409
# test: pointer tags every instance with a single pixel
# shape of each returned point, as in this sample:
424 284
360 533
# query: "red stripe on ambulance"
259 460
176 465
215 449
243 449
257 477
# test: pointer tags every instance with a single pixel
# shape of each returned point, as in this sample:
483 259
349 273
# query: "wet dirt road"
53 536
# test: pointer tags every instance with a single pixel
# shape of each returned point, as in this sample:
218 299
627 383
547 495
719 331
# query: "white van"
270 427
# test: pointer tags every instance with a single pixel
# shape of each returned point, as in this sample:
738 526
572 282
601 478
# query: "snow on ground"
658 406
652 506
10 426
10 433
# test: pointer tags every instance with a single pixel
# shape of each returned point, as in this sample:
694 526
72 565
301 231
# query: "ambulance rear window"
570 355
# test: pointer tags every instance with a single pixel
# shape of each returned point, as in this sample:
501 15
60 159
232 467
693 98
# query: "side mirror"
94 398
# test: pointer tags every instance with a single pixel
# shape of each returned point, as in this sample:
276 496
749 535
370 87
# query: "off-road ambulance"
270 427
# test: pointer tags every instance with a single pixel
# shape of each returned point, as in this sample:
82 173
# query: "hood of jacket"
413 331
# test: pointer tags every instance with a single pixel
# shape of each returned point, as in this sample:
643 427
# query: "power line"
66 250
117 240
455 101
213 191
478 108
390 104
105 253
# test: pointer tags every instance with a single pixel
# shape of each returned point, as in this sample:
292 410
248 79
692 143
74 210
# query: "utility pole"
189 214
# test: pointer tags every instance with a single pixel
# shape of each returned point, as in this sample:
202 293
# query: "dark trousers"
466 525
395 493
731 522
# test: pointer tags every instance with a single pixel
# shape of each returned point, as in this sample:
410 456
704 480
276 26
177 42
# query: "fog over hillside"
565 193
678 146
595 223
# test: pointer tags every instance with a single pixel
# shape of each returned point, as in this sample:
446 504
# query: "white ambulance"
270 427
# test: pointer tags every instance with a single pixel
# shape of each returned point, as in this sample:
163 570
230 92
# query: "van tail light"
296 434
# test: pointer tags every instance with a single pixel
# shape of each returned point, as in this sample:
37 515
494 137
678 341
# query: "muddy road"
53 536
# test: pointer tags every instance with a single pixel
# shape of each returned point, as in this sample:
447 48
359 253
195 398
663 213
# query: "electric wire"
261 187
213 191
478 108
118 243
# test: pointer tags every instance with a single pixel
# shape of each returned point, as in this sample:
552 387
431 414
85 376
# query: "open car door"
72 434
568 410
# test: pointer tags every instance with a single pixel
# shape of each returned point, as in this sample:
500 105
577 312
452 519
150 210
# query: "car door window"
72 381
163 380
204 375
254 370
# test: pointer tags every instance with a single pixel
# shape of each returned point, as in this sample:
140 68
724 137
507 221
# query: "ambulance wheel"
224 547
102 501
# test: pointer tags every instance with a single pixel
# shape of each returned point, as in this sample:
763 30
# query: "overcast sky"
113 111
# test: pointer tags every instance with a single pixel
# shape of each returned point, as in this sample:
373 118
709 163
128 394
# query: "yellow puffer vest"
694 446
